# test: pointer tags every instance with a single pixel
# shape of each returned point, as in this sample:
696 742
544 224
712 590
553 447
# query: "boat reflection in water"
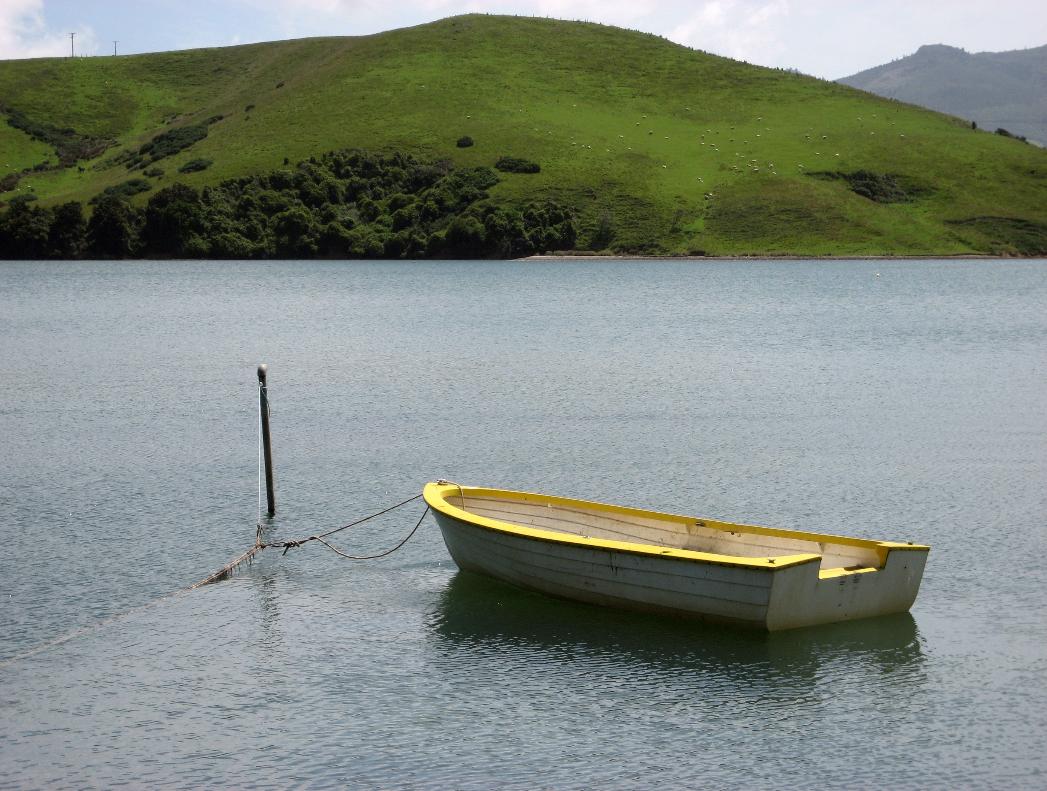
481 615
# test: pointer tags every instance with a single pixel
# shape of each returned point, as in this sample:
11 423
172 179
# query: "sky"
825 38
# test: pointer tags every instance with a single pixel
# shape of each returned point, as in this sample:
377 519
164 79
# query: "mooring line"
407 538
227 571
293 543
89 628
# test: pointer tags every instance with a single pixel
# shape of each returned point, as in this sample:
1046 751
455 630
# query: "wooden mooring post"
267 445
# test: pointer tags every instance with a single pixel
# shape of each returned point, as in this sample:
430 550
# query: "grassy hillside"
657 147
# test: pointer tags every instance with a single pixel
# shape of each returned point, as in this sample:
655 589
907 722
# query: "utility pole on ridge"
114 48
71 51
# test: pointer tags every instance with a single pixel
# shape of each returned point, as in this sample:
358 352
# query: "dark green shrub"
172 141
24 232
68 234
231 245
173 217
1004 133
465 236
879 187
112 231
517 165
194 165
123 190
404 218
296 233
464 142
153 173
69 144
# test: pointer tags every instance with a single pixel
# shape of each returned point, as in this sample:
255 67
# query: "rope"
227 571
228 568
461 491
294 543
297 542
337 551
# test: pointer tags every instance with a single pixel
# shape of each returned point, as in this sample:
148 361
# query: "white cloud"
24 33
740 29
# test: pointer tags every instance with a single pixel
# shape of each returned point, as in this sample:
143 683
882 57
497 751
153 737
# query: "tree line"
343 204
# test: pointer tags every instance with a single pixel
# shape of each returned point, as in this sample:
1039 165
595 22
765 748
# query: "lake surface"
901 400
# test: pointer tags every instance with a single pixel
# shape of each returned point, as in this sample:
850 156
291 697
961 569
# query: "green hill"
652 146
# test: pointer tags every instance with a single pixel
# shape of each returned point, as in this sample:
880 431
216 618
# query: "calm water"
899 400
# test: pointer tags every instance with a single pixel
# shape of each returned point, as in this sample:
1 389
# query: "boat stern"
808 595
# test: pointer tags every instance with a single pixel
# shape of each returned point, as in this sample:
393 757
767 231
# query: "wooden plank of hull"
612 578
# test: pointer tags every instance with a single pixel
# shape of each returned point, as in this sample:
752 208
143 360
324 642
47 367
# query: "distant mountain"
996 89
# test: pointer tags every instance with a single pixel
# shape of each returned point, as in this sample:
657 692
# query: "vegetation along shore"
489 136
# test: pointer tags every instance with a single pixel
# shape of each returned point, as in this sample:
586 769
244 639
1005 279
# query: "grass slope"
660 148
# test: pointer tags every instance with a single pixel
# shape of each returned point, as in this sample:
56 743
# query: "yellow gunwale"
436 493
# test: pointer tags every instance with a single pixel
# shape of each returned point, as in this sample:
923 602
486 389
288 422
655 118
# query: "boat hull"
767 594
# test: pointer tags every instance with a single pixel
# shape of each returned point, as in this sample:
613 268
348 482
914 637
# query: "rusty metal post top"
263 369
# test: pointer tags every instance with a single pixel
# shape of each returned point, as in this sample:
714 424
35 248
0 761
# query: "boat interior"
839 555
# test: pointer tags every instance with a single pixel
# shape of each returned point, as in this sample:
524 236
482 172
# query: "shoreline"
780 257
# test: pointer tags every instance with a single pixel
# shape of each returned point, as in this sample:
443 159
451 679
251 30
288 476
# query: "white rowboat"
645 560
